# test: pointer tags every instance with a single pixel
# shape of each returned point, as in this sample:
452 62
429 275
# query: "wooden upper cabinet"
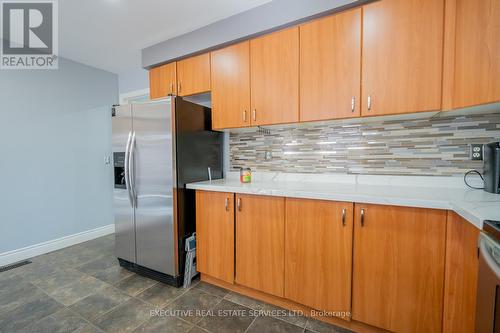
330 67
402 57
260 243
274 73
162 81
230 77
318 254
477 52
215 234
193 75
398 274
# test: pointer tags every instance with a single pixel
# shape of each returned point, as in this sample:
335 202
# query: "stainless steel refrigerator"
159 147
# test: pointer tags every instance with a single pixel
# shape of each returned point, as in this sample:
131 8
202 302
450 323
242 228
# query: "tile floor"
83 289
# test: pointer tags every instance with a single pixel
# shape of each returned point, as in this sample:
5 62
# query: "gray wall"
55 131
136 79
256 21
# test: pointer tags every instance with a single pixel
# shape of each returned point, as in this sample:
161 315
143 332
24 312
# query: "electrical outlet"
476 152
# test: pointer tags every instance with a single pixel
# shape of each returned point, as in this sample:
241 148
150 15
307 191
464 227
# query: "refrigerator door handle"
132 171
127 170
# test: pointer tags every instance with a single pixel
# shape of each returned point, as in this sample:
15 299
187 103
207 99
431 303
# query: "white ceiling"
109 34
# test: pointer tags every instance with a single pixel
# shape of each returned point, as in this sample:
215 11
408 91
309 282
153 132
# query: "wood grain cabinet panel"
402 57
460 275
398 274
318 254
163 81
260 243
231 86
330 67
215 234
274 77
193 75
477 52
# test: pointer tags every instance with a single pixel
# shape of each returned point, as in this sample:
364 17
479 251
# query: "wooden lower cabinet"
215 234
397 269
260 243
318 254
399 261
460 275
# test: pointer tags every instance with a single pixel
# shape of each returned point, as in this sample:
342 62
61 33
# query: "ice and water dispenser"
119 162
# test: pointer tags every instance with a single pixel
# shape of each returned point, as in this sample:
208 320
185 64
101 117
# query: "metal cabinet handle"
245 116
369 103
254 114
353 103
239 204
363 217
226 204
171 88
343 216
178 87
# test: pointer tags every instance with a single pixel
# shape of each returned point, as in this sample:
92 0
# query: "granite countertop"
412 191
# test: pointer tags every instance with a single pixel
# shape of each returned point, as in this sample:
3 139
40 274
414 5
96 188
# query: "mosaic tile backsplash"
437 146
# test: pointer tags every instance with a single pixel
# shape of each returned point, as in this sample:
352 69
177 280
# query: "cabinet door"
318 253
231 86
274 78
260 243
162 81
330 67
215 234
402 56
477 53
398 273
460 283
193 75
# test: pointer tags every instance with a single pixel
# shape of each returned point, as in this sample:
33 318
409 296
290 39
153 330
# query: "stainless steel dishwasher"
488 293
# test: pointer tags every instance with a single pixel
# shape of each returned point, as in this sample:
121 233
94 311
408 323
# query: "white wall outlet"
476 152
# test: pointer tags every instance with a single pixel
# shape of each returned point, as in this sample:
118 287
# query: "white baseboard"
24 253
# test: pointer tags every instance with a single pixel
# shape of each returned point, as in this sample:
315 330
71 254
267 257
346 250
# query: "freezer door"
153 185
123 209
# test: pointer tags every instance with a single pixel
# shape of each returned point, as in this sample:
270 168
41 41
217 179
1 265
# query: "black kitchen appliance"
492 167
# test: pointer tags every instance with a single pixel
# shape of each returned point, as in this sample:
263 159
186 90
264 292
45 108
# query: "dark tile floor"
83 289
